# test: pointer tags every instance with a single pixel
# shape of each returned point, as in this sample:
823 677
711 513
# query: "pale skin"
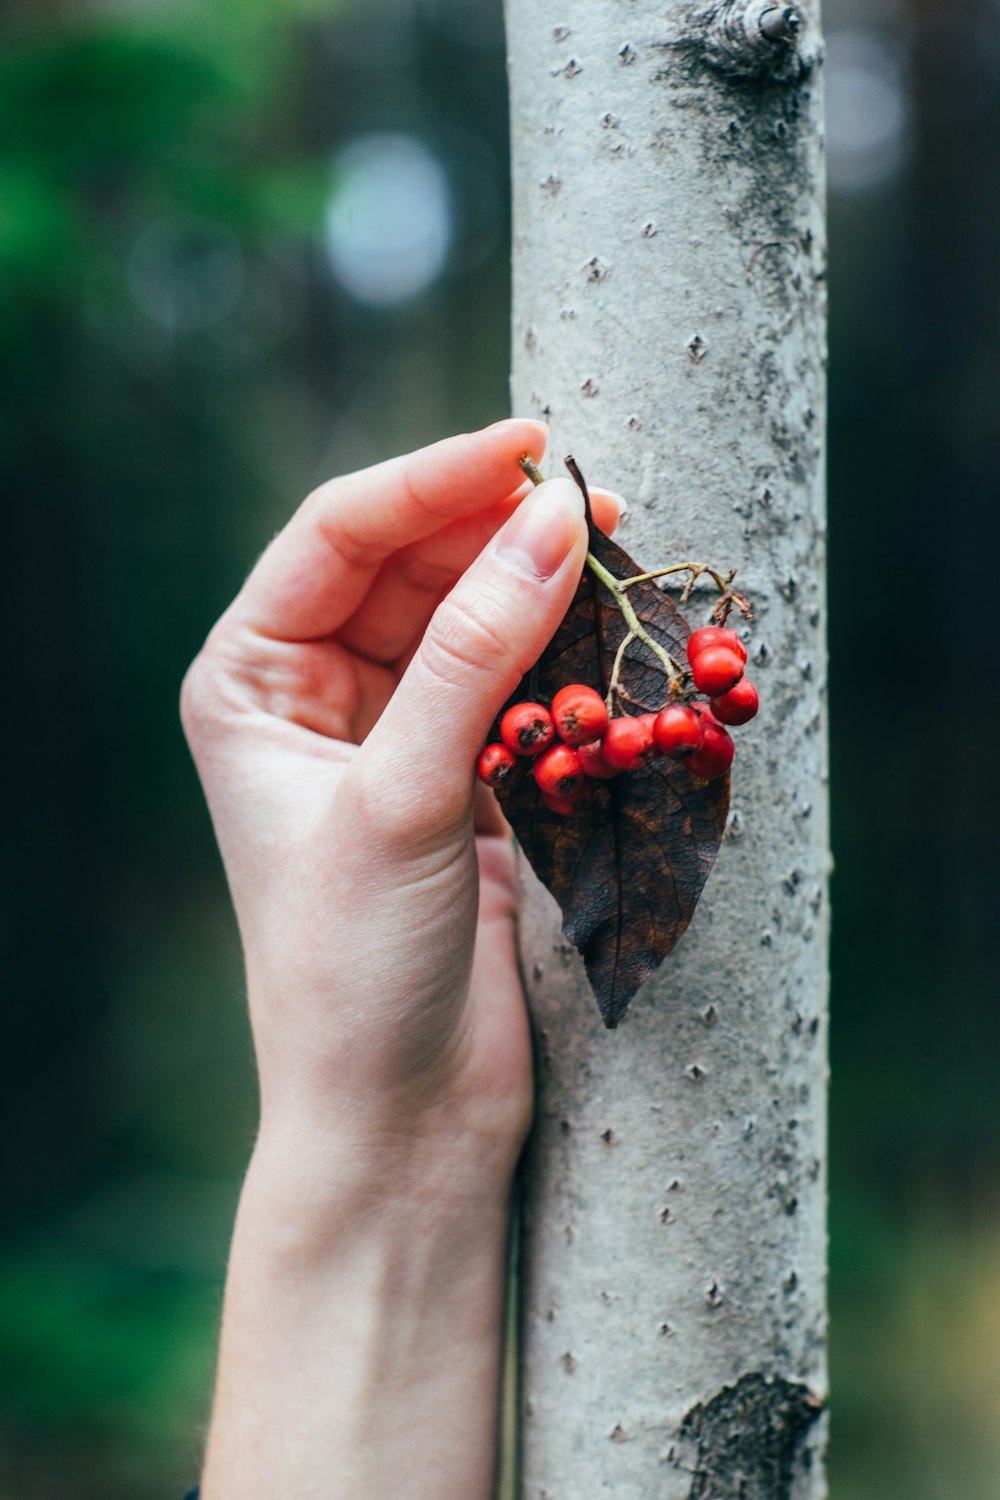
335 714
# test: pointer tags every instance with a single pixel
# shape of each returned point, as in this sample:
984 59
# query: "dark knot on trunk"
749 39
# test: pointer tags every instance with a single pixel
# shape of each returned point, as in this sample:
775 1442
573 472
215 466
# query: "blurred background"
244 246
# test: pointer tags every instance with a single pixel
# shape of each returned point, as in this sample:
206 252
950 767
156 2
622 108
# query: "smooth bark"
669 299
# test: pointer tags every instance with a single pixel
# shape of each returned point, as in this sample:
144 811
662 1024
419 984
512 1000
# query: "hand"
335 715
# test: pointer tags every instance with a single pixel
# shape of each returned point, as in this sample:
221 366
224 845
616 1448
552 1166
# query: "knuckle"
202 694
465 638
387 806
323 513
193 698
397 818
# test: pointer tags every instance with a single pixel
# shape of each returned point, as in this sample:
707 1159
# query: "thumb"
417 763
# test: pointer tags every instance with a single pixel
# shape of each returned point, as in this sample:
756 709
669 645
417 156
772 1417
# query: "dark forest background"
246 246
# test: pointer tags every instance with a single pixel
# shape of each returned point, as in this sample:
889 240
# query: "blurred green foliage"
178 367
111 121
117 1213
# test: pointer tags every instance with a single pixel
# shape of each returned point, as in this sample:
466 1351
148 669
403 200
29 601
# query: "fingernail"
543 530
614 496
540 427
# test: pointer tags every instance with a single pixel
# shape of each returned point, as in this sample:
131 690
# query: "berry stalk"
729 597
616 588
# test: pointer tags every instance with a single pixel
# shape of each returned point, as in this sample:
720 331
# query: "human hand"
335 714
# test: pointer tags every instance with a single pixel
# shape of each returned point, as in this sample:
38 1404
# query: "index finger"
318 569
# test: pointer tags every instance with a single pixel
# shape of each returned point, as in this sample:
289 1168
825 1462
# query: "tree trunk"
669 290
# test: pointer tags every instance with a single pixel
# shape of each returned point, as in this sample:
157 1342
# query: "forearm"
336 713
361 1343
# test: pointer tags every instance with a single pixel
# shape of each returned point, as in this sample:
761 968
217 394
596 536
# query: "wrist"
359 1308
322 1187
347 1122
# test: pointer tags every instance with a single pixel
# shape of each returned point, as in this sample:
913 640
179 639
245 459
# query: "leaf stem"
617 587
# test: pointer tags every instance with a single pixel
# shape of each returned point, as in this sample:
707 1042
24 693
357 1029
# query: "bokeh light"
389 223
866 110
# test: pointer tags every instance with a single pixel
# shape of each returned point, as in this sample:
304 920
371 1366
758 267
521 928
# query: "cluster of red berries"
574 743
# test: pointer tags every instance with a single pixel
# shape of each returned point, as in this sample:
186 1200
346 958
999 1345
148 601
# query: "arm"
335 715
362 1329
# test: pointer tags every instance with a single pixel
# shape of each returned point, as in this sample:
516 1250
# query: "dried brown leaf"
627 871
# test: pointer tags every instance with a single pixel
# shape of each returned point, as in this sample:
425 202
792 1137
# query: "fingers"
317 571
395 612
416 767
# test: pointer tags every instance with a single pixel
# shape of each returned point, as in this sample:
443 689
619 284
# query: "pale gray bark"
669 291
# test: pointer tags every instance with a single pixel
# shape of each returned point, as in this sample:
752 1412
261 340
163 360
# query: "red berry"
704 712
496 765
579 714
714 635
628 743
739 705
716 669
593 762
559 772
678 730
716 753
527 729
650 719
